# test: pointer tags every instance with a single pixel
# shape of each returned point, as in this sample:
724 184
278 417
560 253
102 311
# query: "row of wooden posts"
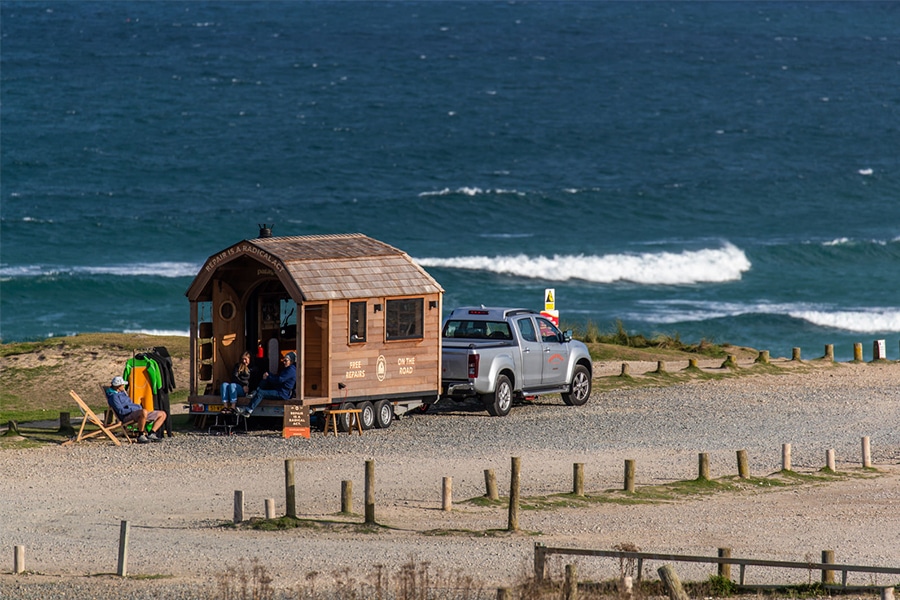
878 353
491 489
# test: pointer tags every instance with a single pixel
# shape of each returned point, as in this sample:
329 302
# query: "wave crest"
155 269
717 265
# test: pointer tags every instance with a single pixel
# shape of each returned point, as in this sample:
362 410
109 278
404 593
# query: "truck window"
526 330
357 322
403 319
549 333
494 330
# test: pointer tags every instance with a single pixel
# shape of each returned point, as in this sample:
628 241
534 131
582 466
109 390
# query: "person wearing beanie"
280 385
129 412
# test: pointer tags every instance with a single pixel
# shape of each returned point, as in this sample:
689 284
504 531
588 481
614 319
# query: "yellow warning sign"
549 299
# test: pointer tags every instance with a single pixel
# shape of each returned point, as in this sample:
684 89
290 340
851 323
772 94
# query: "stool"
227 422
332 415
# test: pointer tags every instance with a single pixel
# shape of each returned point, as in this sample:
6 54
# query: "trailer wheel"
384 414
580 390
346 420
499 403
367 416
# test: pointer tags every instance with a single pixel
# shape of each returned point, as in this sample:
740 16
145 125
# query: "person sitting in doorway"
129 412
239 386
280 385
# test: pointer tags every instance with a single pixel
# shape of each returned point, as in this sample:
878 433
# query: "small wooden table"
354 420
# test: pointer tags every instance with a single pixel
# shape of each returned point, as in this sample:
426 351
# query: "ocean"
721 171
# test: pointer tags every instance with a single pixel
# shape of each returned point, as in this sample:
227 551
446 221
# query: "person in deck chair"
129 412
280 385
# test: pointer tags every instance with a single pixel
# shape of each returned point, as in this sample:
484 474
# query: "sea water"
719 171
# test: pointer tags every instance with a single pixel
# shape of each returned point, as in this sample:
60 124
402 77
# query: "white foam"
859 320
170 332
157 269
662 268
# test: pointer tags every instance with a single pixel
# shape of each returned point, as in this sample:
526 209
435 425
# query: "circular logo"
381 368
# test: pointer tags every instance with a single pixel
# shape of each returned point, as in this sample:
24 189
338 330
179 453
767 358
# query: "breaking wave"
156 269
717 265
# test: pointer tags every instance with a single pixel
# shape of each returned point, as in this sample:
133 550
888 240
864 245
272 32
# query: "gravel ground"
65 504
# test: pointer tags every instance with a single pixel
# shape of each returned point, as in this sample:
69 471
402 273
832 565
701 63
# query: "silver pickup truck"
502 354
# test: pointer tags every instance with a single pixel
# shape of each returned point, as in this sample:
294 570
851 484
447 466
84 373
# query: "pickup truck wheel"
499 403
367 416
384 414
580 390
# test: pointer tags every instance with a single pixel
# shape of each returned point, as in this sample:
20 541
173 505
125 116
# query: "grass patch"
286 523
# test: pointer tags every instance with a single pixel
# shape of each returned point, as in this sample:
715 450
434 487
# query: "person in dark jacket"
129 412
280 385
239 386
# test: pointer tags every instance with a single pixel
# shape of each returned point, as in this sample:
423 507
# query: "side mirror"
567 335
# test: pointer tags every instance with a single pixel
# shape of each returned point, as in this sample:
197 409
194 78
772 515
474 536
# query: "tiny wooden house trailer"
363 318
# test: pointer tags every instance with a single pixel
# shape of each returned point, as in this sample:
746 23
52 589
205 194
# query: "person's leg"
257 397
233 394
157 417
225 394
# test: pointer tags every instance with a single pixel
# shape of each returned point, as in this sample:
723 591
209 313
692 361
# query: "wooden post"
629 475
724 568
673 585
730 362
857 352
238 506
346 496
270 508
827 559
490 484
887 593
447 494
660 366
626 370
879 350
290 490
540 559
504 594
12 428
763 357
578 479
703 466
626 587
570 587
866 453
795 354
693 364
829 353
370 492
829 459
513 521
65 424
19 560
785 457
743 464
124 530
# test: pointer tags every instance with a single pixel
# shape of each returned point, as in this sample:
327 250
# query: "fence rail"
541 552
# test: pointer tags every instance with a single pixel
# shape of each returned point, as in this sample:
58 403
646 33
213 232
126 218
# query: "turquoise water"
726 171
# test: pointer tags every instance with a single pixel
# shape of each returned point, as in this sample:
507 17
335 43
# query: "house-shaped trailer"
362 317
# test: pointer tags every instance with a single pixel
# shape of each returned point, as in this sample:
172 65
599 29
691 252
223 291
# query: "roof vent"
265 231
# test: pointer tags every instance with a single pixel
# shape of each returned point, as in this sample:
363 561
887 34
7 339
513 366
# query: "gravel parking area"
65 504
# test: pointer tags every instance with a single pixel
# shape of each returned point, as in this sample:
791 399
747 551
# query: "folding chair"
93 419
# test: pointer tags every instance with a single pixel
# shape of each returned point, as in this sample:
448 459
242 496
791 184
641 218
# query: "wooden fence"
541 552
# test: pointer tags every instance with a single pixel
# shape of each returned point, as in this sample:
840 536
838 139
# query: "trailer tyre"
346 420
367 416
384 414
499 403
580 390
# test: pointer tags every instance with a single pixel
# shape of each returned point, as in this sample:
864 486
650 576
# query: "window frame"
401 320
350 322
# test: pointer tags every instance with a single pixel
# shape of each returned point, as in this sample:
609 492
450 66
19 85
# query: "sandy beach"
65 504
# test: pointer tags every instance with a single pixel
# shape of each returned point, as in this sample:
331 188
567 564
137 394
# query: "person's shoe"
246 412
143 439
154 438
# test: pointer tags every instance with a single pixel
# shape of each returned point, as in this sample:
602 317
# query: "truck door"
532 354
555 353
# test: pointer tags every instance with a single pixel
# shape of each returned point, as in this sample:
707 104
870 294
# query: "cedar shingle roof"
331 267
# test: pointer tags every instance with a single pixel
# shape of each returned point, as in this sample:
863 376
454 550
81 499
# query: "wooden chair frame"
91 417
